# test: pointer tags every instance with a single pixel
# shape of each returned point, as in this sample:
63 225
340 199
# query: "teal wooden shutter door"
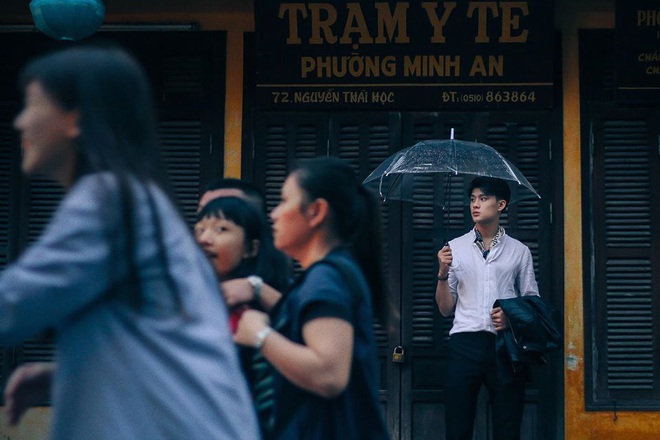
425 225
626 222
364 140
414 232
190 92
525 140
7 170
8 151
281 139
621 237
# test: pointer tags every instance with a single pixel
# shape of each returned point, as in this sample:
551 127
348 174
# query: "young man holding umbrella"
475 270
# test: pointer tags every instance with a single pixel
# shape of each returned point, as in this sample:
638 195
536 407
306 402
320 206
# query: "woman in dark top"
321 342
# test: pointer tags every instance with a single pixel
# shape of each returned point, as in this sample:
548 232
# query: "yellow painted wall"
236 25
34 426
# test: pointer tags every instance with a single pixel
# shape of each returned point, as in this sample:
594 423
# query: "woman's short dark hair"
354 215
491 186
269 263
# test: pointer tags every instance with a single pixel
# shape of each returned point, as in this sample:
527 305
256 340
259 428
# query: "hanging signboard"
638 51
402 55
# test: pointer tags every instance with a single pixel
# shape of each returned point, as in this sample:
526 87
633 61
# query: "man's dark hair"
491 186
251 191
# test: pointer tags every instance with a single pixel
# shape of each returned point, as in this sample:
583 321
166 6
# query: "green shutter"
625 224
44 196
621 174
425 126
282 139
364 140
523 138
6 164
181 142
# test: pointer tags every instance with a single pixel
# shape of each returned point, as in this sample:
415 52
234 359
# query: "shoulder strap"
346 273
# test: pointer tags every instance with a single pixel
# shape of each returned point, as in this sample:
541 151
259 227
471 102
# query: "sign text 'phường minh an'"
404 44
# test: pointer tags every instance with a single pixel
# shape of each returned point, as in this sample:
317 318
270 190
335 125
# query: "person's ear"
252 249
501 204
317 211
72 124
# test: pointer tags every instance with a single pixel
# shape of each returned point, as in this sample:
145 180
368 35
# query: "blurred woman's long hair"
118 127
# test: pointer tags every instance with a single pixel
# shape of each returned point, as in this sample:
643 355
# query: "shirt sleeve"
451 275
453 283
66 269
526 279
326 294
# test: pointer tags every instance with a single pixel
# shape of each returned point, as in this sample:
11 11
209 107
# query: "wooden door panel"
364 140
521 138
280 140
626 165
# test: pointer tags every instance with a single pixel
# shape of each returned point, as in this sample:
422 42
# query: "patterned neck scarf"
479 240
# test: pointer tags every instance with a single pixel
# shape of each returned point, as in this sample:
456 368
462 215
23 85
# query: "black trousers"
471 362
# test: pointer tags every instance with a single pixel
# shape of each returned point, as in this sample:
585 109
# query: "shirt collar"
479 241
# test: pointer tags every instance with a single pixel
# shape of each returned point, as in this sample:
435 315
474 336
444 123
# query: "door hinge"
550 206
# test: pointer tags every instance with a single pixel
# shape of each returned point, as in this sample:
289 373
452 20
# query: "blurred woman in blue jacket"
143 348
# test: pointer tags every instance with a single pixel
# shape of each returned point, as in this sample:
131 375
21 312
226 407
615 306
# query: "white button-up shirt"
475 282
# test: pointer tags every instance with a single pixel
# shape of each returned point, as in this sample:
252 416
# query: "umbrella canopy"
395 177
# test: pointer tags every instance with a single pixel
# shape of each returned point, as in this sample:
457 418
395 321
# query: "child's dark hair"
491 186
354 216
251 190
269 263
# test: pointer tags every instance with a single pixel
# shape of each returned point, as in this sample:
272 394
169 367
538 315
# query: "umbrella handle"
380 187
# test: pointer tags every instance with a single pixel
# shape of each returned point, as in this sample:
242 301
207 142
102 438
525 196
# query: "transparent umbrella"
395 178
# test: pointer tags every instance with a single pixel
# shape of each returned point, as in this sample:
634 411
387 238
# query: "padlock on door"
398 356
